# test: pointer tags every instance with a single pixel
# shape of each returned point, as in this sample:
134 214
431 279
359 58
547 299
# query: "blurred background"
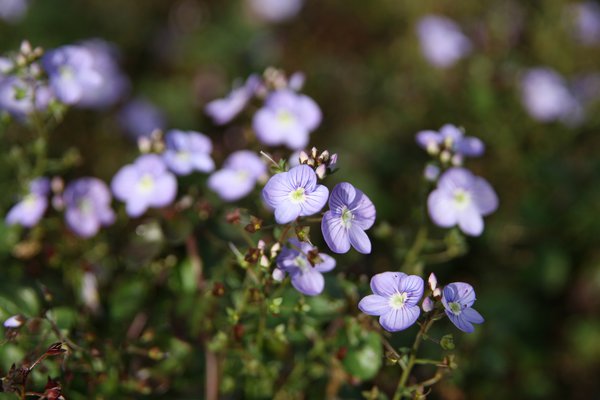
522 76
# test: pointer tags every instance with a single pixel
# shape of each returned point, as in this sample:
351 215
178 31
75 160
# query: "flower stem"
415 251
412 359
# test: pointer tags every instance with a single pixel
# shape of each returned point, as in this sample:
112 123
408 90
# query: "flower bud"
321 171
427 304
303 157
432 281
278 275
15 321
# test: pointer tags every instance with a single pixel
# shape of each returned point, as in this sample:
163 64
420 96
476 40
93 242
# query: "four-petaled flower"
87 202
296 261
145 183
294 194
30 210
462 198
287 119
350 213
188 151
240 172
458 298
394 300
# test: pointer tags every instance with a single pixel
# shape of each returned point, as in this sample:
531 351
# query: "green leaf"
365 360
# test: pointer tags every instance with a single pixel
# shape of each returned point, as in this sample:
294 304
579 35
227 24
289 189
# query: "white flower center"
455 308
301 263
146 183
66 72
183 155
285 117
397 300
85 206
347 217
462 198
298 196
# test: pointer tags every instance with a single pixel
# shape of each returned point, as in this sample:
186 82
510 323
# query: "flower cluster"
286 117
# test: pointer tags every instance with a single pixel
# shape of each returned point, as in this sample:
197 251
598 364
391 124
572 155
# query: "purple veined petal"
470 221
374 305
460 322
314 201
399 319
452 132
484 196
413 285
461 292
327 263
363 211
335 234
231 185
342 195
309 282
441 209
123 181
165 191
309 112
82 224
277 190
470 146
386 283
425 139
286 212
472 316
303 176
359 239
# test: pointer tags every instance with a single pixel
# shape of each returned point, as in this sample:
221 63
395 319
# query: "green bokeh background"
536 269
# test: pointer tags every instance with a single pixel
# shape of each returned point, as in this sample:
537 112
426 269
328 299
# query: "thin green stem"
415 251
412 359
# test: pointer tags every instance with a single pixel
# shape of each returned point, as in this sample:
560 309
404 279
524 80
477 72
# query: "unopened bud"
313 152
25 47
432 281
321 171
445 156
15 321
324 157
437 293
303 157
144 144
457 160
278 275
427 304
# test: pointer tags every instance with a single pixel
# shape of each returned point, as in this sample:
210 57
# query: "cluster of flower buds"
450 145
27 55
276 79
429 304
322 163
155 143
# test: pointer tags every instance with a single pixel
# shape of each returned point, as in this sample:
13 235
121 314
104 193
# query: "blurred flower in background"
442 41
114 83
13 10
188 151
547 97
87 206
20 97
275 10
30 210
224 110
287 118
140 117
586 18
238 176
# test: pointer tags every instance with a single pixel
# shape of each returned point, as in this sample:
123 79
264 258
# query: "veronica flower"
114 83
140 117
547 97
17 96
394 300
462 199
188 151
224 110
295 194
306 278
143 184
238 176
287 118
87 206
442 41
30 210
71 72
275 10
458 298
350 213
452 138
